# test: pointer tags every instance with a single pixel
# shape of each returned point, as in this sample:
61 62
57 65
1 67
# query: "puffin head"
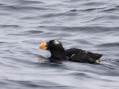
51 45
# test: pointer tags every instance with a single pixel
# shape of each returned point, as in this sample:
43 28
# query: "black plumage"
58 53
79 55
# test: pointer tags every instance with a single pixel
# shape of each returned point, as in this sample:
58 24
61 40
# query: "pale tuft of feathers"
56 42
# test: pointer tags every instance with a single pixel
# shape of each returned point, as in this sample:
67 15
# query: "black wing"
79 55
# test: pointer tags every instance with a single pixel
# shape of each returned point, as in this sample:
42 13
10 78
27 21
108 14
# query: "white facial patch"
56 42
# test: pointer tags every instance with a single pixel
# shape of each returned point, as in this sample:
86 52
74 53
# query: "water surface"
87 24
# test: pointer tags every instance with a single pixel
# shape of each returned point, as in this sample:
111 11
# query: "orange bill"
43 46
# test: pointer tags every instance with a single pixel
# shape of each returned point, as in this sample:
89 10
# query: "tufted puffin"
58 53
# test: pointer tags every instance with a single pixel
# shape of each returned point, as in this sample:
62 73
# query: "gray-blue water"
91 25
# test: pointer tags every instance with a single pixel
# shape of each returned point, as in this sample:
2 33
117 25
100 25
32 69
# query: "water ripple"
86 24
